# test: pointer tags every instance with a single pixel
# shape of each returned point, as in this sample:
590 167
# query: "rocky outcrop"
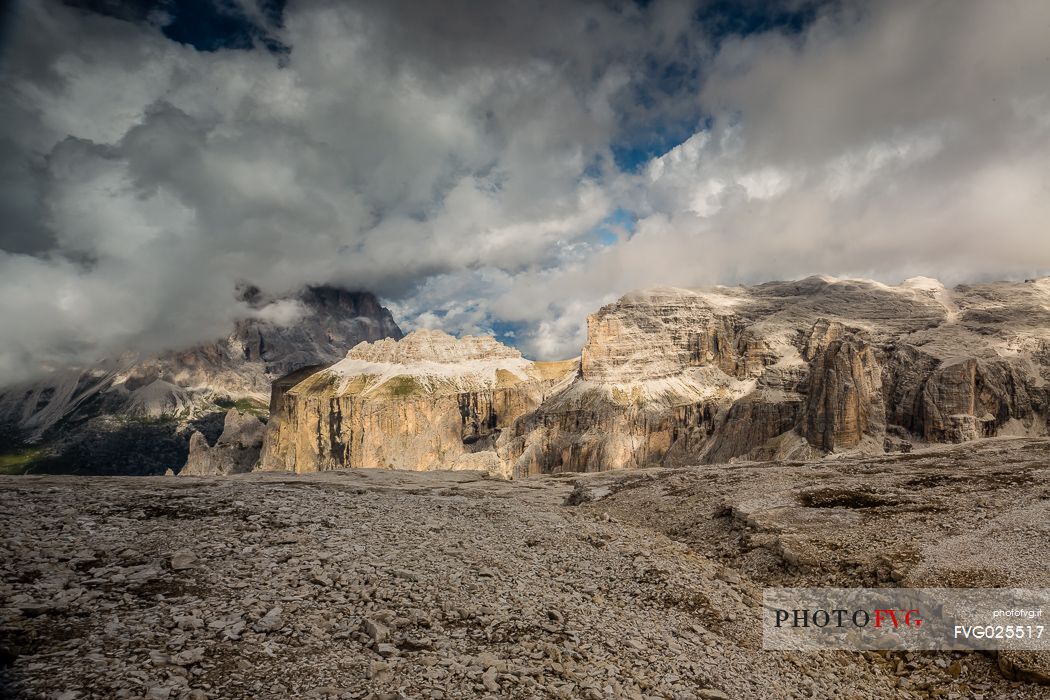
656 333
136 415
753 422
358 570
235 452
427 401
674 376
658 373
970 398
844 390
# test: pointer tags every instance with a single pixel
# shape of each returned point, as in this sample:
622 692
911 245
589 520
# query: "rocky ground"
450 585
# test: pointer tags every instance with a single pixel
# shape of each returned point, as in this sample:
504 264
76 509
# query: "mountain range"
794 370
778 371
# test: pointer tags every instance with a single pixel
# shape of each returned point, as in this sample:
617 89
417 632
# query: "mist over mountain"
135 414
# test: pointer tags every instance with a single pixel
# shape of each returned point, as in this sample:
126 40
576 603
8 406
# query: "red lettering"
879 614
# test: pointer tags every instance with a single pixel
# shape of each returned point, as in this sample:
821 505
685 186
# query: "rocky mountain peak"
657 333
357 303
426 345
427 401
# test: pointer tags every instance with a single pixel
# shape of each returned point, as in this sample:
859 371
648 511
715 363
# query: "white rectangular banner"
906 618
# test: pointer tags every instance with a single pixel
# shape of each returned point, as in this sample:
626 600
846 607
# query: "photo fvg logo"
840 617
810 619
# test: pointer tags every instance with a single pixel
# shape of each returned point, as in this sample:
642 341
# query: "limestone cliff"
427 401
844 389
657 368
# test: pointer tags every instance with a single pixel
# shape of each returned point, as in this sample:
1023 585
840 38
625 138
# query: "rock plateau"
380 584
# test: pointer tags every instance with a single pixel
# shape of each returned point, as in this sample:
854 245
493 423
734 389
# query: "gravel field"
382 584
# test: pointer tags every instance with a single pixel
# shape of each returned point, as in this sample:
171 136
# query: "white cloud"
457 160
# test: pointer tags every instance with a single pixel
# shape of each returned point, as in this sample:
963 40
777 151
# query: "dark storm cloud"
474 162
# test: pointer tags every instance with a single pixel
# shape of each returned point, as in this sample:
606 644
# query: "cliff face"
659 371
843 391
429 401
673 376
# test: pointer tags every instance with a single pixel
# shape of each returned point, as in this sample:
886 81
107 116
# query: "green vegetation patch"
358 384
243 405
323 383
402 386
506 378
19 461
557 369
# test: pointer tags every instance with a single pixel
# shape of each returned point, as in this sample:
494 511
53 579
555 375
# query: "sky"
499 167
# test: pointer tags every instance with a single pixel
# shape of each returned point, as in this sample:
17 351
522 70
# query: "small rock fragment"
269 622
377 631
183 559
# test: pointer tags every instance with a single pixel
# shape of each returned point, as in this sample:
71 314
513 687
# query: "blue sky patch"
508 332
206 25
636 150
609 230
724 18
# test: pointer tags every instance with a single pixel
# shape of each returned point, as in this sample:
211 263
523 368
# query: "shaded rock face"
235 452
971 398
844 390
751 423
605 436
335 320
74 413
427 401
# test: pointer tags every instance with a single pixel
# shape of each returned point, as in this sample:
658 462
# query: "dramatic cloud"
501 167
